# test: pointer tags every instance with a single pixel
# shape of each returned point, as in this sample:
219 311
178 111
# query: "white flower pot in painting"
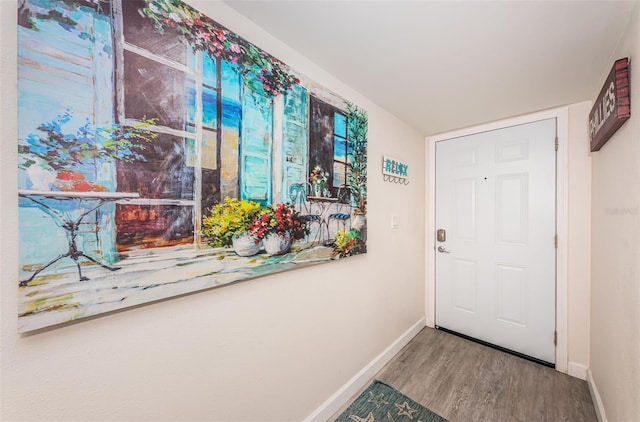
246 245
277 244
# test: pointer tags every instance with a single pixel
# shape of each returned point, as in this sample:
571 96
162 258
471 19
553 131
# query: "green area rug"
382 403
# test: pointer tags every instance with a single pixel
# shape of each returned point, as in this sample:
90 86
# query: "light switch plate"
394 221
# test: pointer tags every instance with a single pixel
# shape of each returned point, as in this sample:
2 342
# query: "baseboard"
595 396
340 397
431 323
577 370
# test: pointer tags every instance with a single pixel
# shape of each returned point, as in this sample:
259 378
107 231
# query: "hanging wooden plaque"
612 107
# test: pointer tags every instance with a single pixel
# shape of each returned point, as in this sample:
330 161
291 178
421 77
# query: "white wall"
615 253
273 348
579 242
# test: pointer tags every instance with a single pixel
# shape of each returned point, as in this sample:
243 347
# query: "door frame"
561 114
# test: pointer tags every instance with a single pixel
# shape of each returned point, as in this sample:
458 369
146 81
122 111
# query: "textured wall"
579 242
615 253
273 348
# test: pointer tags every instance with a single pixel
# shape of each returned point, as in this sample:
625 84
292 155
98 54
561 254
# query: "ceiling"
446 65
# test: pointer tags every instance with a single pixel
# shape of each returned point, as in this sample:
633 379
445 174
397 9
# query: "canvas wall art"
162 154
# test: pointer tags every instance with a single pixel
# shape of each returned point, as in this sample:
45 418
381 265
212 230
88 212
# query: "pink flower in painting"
220 34
204 35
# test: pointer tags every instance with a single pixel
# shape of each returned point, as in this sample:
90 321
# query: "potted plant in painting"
52 150
228 225
278 226
348 243
318 178
357 139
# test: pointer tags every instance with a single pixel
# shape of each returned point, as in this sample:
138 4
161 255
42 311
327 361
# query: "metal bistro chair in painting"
342 212
298 193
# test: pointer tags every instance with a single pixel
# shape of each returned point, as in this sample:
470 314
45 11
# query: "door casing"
561 115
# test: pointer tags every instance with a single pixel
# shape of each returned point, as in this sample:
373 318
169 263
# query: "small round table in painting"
85 203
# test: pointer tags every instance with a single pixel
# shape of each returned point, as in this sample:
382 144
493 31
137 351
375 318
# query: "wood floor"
465 381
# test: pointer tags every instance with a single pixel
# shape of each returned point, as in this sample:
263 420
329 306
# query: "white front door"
495 266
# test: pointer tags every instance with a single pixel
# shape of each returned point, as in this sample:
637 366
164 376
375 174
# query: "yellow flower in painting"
341 238
229 218
348 242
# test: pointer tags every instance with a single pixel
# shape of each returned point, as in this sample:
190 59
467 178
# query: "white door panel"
495 197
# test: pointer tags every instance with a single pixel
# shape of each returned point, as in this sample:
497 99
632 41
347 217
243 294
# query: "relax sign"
612 107
393 167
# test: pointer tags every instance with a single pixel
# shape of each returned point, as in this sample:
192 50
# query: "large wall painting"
161 154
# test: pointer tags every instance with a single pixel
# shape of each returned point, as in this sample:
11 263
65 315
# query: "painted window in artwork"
340 150
140 32
228 154
328 147
155 90
164 79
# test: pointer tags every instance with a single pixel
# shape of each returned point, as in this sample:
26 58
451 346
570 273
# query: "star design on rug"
377 400
369 418
405 410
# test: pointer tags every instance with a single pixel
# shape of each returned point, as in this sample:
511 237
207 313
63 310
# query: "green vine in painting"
357 128
60 11
261 71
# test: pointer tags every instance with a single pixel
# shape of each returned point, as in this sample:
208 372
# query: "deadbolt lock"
441 235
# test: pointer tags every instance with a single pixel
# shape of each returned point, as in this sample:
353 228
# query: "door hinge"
555 241
555 338
556 143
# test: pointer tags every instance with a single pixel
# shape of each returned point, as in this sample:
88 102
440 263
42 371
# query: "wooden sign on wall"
612 107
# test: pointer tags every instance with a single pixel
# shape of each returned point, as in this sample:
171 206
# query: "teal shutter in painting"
60 70
294 138
255 148
66 69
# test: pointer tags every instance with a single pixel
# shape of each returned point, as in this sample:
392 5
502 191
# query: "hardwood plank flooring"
468 382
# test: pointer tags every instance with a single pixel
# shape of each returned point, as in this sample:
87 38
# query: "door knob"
441 249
